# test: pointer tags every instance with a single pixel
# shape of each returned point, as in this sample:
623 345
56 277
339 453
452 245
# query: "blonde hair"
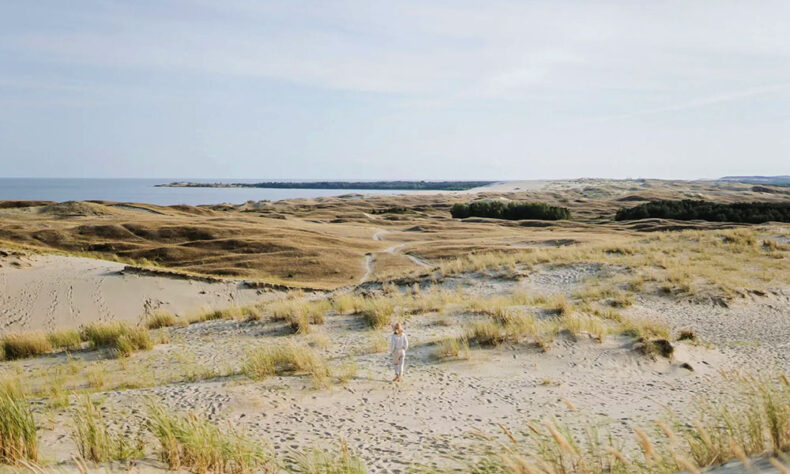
397 328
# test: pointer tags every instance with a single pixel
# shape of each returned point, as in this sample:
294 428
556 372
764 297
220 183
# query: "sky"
422 89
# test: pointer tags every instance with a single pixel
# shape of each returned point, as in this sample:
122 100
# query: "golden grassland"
320 243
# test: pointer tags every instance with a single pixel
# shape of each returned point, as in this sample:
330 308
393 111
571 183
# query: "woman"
398 345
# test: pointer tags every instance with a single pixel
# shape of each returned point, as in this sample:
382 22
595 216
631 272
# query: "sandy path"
57 291
369 260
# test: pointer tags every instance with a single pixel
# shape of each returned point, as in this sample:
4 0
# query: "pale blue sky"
394 90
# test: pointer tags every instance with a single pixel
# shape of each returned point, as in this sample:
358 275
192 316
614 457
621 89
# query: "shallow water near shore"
145 190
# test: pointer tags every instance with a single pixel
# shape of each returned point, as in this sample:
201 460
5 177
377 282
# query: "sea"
145 191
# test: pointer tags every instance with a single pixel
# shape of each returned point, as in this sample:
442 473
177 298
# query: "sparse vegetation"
94 441
23 345
65 339
18 438
319 461
160 319
119 337
300 313
452 347
378 312
194 443
287 358
719 433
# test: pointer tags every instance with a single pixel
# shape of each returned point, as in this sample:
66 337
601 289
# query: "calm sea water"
143 191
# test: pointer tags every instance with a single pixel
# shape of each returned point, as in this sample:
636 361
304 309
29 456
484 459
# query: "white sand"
52 291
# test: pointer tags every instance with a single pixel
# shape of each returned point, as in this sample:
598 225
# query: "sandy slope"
436 411
51 291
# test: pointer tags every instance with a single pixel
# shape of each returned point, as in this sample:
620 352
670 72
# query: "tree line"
687 209
510 210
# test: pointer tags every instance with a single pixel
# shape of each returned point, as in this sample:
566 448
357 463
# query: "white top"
399 343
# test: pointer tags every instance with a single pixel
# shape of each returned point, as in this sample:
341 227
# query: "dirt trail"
369 260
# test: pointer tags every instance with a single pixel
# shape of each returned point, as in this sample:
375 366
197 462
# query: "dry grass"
119 337
287 358
18 438
65 339
160 319
452 347
377 343
300 313
319 461
759 422
23 345
193 443
378 312
693 263
94 441
345 371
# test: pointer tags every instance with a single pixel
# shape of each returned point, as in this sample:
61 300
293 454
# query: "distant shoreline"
351 185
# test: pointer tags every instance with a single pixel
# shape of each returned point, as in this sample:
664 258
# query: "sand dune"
52 291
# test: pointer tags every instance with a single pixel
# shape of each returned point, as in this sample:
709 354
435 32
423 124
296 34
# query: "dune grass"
24 345
378 312
758 422
94 441
689 263
300 313
452 347
193 443
119 337
18 437
320 461
287 358
65 339
160 319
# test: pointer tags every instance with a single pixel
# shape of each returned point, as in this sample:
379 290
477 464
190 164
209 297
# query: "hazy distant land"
393 185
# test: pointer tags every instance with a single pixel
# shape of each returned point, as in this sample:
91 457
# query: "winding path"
369 260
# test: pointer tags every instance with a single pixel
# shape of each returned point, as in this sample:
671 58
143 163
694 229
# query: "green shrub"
687 209
511 210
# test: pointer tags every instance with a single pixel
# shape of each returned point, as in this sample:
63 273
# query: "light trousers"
398 359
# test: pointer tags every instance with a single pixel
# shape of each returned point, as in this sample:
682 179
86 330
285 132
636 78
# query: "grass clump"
346 303
160 319
300 313
318 461
94 441
193 443
18 438
756 422
23 345
346 371
452 347
485 333
378 312
119 337
687 335
65 339
287 358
